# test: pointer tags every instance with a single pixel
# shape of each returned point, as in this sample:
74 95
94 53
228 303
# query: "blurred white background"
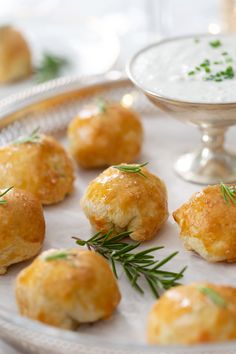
97 36
135 22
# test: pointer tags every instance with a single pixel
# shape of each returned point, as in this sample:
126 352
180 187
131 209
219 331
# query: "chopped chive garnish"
192 72
221 75
205 63
215 44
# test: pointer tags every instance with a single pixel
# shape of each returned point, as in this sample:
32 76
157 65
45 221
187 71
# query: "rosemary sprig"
135 265
3 201
34 137
50 67
213 295
228 193
132 168
102 105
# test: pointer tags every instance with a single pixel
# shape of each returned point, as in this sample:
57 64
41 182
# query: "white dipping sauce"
165 69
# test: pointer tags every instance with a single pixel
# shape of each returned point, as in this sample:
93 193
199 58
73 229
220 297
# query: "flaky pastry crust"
207 225
186 315
67 292
22 227
98 139
43 168
121 201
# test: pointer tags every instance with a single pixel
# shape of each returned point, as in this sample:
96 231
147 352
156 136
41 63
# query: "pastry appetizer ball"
67 287
105 134
39 165
15 58
119 199
22 227
208 225
193 314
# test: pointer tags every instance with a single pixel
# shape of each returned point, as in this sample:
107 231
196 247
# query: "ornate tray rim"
10 109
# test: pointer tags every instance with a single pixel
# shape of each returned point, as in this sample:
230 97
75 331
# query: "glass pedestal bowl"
211 163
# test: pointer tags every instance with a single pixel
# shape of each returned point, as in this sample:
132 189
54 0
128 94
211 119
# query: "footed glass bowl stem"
211 163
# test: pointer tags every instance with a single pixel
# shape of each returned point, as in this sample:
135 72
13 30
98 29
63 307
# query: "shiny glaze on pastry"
121 201
208 225
65 292
22 227
43 168
98 139
188 315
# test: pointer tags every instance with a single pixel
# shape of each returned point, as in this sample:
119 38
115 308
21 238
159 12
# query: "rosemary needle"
57 255
34 137
141 265
213 295
102 105
228 193
132 168
3 201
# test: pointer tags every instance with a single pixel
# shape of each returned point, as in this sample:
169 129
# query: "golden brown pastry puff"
22 227
208 225
193 314
105 134
121 201
15 57
42 167
64 288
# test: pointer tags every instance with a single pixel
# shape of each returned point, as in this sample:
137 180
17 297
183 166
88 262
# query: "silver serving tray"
51 106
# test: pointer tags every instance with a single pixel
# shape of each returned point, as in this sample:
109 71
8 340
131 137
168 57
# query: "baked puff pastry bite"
207 225
105 134
64 288
39 164
22 227
15 57
193 314
121 200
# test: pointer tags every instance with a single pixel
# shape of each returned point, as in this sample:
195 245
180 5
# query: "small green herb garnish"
3 201
137 266
228 193
224 53
102 105
205 63
214 296
132 168
228 73
218 62
215 44
196 40
57 255
34 137
50 67
192 72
